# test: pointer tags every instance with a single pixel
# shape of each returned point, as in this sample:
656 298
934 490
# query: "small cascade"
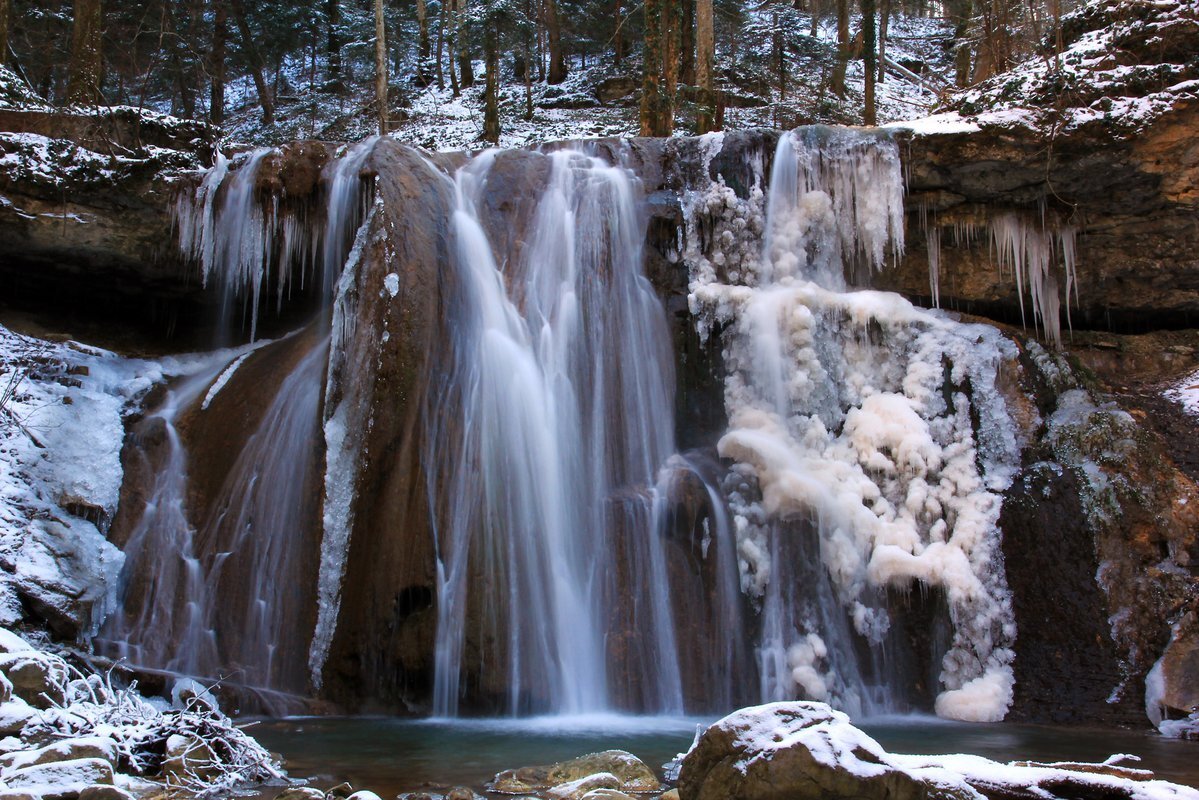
546 471
226 589
868 435
163 620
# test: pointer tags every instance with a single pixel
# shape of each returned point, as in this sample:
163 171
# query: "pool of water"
390 755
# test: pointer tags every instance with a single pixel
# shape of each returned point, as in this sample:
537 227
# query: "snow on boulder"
94 747
62 779
12 643
14 715
808 751
792 751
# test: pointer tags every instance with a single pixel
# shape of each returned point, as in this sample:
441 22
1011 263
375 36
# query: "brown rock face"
388 349
1134 204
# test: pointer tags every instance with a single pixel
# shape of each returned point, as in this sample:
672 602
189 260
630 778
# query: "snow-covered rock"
792 751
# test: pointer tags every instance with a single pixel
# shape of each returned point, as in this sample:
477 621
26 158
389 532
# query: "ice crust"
878 424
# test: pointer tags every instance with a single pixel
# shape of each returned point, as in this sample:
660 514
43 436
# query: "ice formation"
855 419
1031 251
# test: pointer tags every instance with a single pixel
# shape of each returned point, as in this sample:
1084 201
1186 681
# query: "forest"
331 68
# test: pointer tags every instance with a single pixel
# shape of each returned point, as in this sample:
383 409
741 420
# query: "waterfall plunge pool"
389 755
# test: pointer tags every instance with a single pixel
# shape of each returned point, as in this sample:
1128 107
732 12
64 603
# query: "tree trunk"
553 27
687 42
440 46
960 12
333 80
255 61
843 46
381 67
651 89
216 63
705 59
424 73
672 18
4 12
870 67
814 8
884 23
173 35
466 70
83 86
617 37
491 88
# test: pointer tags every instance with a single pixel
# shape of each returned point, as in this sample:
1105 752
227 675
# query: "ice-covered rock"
93 747
61 779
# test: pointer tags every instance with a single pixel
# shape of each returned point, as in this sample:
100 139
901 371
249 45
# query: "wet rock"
1178 669
606 794
673 794
364 795
16 794
5 688
577 789
461 793
62 779
300 793
791 751
340 791
630 773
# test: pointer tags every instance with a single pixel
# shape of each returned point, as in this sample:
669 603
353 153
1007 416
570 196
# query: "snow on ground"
1186 393
432 118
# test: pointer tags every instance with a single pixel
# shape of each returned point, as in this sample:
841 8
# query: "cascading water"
562 395
241 572
864 430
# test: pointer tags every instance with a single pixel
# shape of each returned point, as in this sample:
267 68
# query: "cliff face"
1116 520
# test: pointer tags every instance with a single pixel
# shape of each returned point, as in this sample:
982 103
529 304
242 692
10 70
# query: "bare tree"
553 26
868 45
705 45
381 67
266 98
83 86
4 13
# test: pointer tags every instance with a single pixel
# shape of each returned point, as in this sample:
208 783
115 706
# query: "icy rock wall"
876 423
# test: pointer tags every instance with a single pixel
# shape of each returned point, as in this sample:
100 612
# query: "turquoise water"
390 755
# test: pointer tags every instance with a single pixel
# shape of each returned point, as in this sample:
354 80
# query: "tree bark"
216 63
491 88
870 67
618 37
333 80
705 59
381 67
687 42
4 14
257 70
466 70
884 23
553 27
651 89
83 86
672 17
440 46
960 12
843 46
424 51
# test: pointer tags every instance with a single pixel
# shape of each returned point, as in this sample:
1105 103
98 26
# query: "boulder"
300 793
91 747
14 715
102 792
188 757
12 643
5 688
607 794
37 679
62 779
364 795
461 793
629 773
609 90
577 789
791 751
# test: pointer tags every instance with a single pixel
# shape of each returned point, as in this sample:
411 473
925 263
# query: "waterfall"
228 591
558 422
869 436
